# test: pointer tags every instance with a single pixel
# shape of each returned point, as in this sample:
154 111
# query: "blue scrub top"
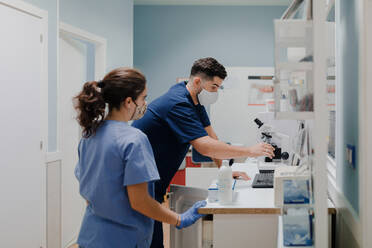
116 156
170 123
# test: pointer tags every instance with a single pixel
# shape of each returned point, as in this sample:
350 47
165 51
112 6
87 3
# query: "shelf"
294 115
291 42
294 66
292 32
305 205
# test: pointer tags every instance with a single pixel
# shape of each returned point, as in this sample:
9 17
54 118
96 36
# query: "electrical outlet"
350 155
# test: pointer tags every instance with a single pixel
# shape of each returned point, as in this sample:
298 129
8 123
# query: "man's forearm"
219 150
213 135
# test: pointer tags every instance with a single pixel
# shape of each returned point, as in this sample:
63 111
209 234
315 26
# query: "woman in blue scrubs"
116 168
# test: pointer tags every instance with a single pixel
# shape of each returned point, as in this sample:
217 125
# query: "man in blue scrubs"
178 119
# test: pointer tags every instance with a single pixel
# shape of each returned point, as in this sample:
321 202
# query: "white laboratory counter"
252 220
246 200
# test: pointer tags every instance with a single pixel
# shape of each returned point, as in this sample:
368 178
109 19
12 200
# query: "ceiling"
213 2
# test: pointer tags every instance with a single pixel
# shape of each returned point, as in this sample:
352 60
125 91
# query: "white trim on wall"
100 61
26 7
100 42
53 157
365 120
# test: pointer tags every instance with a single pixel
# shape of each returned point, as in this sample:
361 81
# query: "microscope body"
275 139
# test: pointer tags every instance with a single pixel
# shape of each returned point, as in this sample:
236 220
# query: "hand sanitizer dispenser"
225 179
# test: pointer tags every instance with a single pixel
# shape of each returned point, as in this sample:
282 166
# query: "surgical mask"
207 98
139 112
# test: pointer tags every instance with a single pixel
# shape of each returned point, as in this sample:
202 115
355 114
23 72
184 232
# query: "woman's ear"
127 101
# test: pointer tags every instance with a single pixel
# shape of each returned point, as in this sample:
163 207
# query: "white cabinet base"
245 230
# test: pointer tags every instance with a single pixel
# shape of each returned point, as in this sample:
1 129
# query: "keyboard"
263 180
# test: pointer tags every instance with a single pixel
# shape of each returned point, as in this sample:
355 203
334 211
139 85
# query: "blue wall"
348 49
168 39
51 7
112 20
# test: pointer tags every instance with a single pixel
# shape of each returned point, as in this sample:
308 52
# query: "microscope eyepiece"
258 122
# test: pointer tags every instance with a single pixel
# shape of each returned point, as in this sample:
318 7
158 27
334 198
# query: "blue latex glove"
191 215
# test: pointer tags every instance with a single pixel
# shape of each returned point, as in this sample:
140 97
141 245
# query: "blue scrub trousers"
157 237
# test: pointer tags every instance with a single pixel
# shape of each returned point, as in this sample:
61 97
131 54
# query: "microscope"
269 136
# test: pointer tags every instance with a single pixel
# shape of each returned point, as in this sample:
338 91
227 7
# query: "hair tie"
101 84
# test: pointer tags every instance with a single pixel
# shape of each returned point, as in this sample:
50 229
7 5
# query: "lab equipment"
270 105
213 192
225 183
288 130
284 103
263 180
268 135
301 147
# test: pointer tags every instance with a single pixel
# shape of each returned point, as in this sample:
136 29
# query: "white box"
283 173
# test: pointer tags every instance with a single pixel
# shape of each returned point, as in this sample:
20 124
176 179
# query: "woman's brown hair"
115 87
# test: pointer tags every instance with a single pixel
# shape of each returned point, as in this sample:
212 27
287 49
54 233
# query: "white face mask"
139 112
207 98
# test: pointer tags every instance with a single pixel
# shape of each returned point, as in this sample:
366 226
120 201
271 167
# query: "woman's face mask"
207 98
139 112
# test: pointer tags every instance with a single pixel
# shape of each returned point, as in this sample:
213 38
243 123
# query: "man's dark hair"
208 68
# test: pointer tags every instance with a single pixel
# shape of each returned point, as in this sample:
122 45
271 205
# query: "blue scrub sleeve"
203 116
185 122
139 162
77 167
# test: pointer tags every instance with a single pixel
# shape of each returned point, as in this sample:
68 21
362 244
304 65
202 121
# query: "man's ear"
197 81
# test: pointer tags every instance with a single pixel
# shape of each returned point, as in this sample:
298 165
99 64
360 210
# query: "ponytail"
115 87
90 106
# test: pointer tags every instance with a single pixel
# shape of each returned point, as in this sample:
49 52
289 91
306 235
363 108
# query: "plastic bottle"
283 104
225 183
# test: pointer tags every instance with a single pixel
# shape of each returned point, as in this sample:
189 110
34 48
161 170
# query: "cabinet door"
181 199
21 164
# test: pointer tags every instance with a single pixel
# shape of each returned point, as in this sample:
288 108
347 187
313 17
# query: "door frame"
43 16
99 72
99 63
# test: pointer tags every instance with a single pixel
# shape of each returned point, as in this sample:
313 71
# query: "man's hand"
262 149
241 174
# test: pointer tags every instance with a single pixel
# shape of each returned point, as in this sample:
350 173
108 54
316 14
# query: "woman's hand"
191 215
262 149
